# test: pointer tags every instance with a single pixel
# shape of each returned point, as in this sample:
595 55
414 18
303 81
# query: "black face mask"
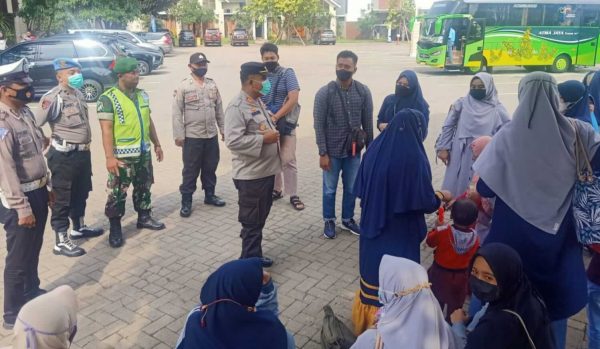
200 71
478 94
271 66
25 94
343 75
402 91
486 292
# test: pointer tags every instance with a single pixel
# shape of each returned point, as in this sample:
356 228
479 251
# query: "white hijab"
411 316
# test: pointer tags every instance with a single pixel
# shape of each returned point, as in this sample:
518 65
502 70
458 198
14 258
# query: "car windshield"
152 36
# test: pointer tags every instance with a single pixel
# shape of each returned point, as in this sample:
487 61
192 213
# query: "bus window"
475 32
535 15
515 17
560 15
591 16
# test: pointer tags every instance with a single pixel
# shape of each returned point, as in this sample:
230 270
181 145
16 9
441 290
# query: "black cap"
253 68
197 58
15 72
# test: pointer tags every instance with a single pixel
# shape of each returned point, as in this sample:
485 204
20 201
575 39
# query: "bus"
478 35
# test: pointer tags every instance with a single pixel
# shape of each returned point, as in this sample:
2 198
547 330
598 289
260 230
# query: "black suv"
187 38
94 57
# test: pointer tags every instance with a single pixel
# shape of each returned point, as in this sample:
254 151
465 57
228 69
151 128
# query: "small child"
454 246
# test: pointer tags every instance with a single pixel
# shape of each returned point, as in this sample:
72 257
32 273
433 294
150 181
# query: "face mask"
266 88
271 66
24 95
402 91
478 94
483 290
343 75
76 81
200 72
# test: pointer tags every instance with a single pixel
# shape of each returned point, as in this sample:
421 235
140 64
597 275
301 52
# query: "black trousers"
23 247
255 201
71 183
200 157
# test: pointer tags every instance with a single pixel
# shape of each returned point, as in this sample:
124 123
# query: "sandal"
277 195
295 201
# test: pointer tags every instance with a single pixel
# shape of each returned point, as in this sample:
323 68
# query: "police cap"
65 63
253 68
198 57
15 72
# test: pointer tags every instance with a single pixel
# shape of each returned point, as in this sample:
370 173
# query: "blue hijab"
233 323
395 176
594 91
576 96
393 104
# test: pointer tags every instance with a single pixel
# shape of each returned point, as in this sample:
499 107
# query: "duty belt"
64 147
34 185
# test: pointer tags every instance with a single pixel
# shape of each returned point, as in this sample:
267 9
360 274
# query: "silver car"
160 39
123 34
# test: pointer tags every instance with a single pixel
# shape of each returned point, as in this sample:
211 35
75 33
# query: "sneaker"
8 325
329 230
266 262
351 226
65 247
86 232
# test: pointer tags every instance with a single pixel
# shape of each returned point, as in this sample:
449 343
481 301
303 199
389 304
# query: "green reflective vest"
131 123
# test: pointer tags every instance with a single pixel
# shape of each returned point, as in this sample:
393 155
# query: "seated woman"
238 309
411 316
48 321
514 316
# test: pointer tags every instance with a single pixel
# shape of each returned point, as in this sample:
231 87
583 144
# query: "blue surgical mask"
266 88
76 81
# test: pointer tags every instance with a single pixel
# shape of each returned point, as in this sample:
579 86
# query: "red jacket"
441 240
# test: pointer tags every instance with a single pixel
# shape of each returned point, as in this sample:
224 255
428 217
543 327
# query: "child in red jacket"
455 244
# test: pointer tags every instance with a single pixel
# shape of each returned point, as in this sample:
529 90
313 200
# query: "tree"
366 24
153 7
243 19
190 12
399 15
289 15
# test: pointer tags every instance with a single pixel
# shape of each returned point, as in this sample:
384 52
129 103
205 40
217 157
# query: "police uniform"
23 192
197 112
69 160
254 163
130 115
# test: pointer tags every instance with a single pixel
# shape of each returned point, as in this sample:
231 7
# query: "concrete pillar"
415 35
265 33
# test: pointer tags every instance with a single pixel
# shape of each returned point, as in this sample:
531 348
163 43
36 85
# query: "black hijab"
515 294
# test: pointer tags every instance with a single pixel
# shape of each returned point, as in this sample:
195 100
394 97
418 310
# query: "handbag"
586 196
287 124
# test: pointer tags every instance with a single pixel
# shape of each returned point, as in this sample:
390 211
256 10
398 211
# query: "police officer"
127 130
69 160
197 111
23 192
254 142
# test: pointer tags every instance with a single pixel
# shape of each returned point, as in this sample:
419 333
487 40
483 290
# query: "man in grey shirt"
254 142
342 108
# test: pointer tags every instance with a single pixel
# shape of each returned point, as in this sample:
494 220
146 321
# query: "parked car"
123 34
94 57
239 36
160 39
324 37
148 60
212 36
187 38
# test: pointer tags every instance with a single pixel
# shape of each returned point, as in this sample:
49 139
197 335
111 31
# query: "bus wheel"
561 64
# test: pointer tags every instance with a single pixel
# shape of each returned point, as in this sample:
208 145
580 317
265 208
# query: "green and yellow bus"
478 35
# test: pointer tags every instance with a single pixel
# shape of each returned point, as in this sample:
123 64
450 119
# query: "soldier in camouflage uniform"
127 130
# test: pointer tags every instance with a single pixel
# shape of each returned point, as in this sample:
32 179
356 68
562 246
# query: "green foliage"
243 19
366 24
191 12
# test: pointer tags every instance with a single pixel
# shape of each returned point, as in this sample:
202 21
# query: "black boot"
115 237
146 221
186 205
80 230
211 199
65 246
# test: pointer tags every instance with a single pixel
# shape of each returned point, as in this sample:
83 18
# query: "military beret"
15 72
125 65
253 68
65 63
198 58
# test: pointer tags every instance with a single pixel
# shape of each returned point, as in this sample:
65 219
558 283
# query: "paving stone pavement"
138 296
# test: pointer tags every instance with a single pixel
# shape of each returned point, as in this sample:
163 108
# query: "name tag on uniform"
255 112
191 96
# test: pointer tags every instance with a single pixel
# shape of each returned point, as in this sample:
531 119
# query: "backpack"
334 334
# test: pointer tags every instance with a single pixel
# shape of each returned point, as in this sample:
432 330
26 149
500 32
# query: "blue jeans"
593 314
559 328
349 168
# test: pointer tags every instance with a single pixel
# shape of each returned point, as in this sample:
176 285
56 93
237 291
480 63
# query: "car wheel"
91 90
144 68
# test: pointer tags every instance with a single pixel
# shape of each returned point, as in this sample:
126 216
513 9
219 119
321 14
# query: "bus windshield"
443 8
